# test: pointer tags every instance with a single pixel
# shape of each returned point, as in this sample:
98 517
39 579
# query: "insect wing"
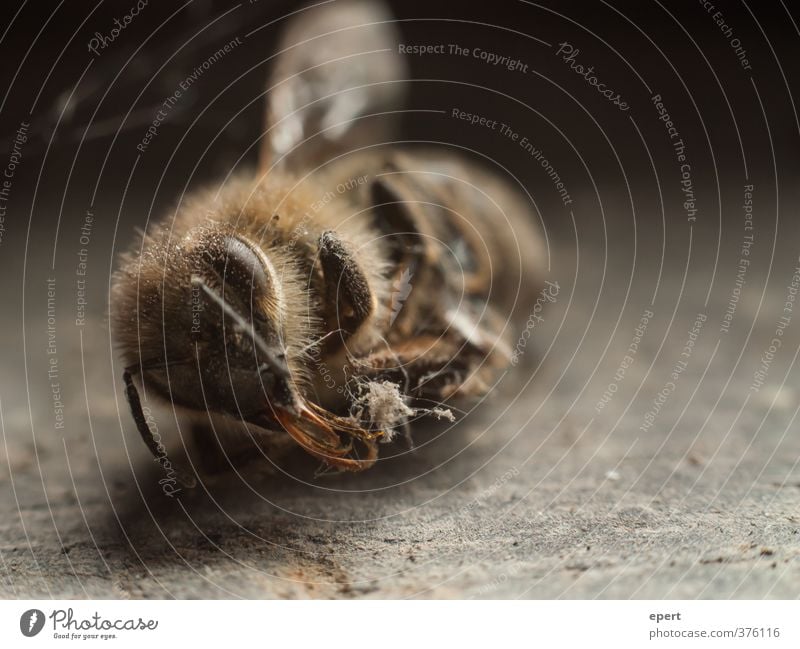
337 64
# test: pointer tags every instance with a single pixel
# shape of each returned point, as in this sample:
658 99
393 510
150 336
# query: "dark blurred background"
101 105
88 112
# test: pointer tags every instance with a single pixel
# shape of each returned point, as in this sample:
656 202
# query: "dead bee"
348 280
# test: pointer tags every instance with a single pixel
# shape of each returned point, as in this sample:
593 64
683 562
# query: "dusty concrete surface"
534 495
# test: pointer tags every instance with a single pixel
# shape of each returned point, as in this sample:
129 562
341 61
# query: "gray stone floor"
533 495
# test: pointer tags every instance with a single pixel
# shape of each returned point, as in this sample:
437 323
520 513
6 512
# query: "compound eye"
244 278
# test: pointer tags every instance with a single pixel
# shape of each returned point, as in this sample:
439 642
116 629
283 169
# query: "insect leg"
438 368
135 403
334 456
349 300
